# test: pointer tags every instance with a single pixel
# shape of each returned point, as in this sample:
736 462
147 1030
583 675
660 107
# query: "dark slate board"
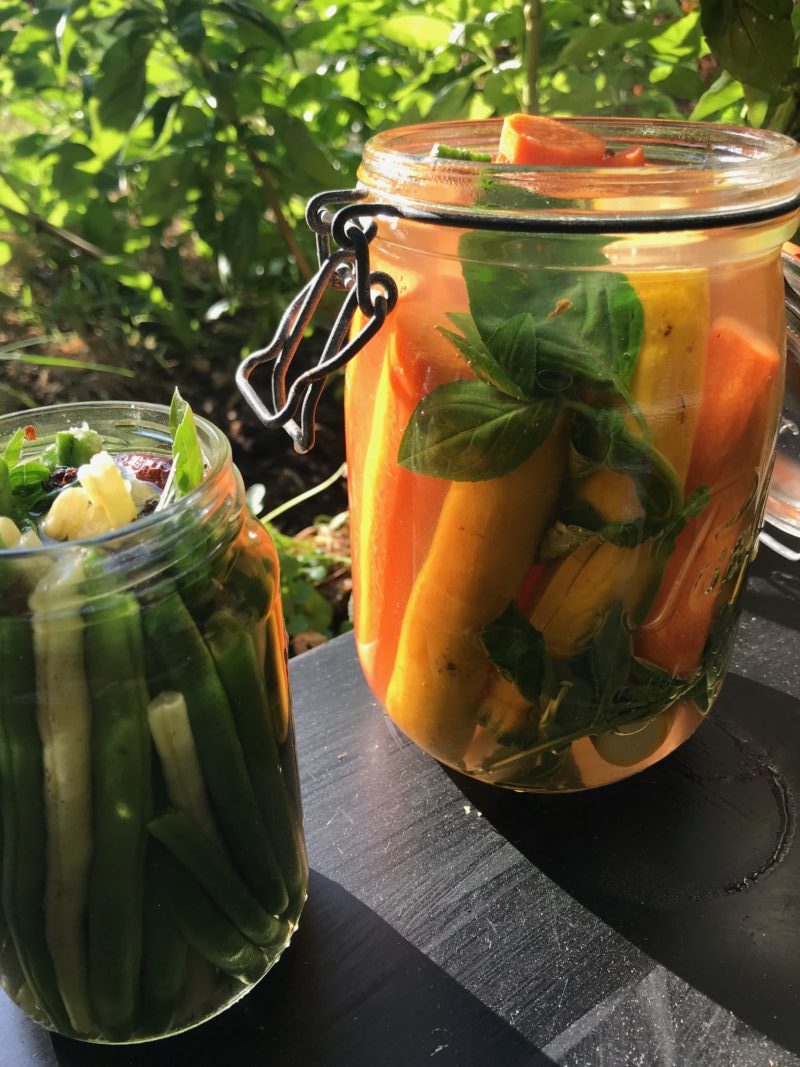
653 922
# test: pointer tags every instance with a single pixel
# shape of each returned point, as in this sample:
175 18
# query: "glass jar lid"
695 175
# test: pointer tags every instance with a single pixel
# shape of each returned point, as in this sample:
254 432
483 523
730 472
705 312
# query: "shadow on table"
694 860
349 991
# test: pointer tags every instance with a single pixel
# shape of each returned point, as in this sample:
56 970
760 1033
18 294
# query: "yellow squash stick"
484 544
667 385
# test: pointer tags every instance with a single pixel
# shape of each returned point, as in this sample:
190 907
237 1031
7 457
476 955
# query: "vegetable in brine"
151 864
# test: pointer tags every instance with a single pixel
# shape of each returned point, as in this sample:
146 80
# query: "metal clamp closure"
346 268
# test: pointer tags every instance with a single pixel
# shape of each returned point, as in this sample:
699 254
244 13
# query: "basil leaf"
511 363
548 249
22 485
514 347
31 473
611 654
187 457
499 192
588 324
177 409
517 650
468 431
599 689
579 521
14 448
482 363
644 672
716 656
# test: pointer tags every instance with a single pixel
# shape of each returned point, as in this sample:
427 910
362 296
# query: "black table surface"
652 922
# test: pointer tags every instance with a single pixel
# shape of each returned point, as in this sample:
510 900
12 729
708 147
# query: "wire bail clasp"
346 268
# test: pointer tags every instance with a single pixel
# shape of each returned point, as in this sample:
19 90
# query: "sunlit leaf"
724 93
679 40
416 31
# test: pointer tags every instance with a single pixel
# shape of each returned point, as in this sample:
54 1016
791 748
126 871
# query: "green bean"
234 656
121 776
190 847
196 558
23 814
164 951
11 974
180 766
188 668
206 929
63 715
251 582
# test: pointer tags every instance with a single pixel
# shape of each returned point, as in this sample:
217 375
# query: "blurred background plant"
156 155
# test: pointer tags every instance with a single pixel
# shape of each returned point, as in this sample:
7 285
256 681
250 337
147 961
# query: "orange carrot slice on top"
536 141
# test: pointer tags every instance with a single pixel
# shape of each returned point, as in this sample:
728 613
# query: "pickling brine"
153 864
558 452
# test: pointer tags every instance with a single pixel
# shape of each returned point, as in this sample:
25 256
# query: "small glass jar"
559 442
153 862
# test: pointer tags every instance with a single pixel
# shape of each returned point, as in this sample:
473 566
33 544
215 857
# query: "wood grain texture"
653 922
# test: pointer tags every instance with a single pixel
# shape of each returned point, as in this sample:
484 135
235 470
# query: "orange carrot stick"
739 404
394 512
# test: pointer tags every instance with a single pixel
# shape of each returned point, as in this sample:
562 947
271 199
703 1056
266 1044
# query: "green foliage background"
156 155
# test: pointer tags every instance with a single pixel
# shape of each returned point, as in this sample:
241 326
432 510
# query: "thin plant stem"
532 12
341 472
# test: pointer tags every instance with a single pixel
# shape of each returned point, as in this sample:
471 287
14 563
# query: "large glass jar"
153 864
559 442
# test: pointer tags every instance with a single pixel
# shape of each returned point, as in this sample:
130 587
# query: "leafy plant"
756 47
156 155
306 564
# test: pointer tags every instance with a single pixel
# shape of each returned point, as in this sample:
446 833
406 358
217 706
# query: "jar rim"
697 172
147 417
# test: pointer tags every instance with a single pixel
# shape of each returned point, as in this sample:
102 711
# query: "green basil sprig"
579 522
533 342
470 431
22 482
186 472
588 323
598 689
